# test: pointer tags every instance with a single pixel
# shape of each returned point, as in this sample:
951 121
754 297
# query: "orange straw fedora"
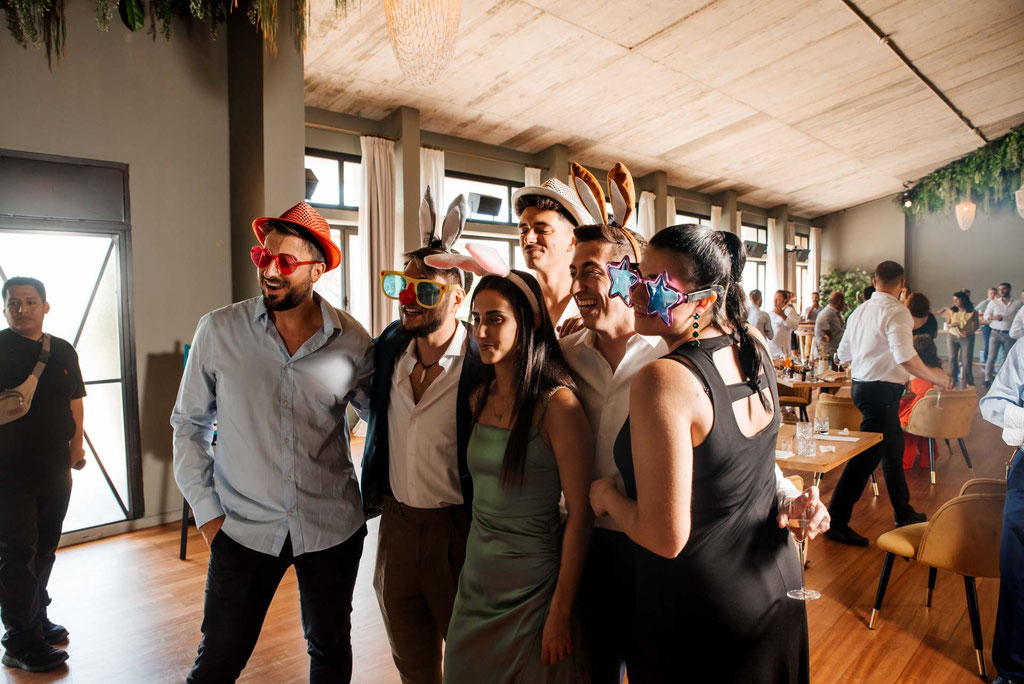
308 220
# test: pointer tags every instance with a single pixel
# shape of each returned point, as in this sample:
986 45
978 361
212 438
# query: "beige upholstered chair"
951 419
841 413
963 537
797 398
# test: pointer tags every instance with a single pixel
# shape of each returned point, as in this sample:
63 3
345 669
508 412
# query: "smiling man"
274 376
548 214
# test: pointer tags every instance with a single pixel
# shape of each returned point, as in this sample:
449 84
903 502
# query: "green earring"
695 342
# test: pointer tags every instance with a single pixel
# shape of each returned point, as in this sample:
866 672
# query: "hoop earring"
695 342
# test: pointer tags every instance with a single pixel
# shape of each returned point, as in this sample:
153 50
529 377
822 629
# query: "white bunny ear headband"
452 226
622 193
484 260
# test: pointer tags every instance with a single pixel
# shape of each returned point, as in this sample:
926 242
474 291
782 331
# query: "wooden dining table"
823 462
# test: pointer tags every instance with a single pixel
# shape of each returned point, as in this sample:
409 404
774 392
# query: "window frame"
700 218
341 158
511 187
761 264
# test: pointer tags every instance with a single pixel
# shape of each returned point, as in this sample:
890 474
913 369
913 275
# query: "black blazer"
386 350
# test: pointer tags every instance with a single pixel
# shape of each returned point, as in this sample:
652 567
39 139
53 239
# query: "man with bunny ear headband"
548 214
414 465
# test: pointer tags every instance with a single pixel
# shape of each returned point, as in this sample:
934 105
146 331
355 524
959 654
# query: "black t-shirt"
38 441
929 327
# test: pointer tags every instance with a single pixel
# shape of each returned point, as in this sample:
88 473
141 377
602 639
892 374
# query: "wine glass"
803 593
821 425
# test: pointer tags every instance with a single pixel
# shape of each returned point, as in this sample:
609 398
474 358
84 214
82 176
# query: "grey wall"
161 107
863 236
942 258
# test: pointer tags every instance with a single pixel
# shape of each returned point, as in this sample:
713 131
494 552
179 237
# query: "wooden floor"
133 609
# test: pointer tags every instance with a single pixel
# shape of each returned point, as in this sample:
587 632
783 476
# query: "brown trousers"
420 552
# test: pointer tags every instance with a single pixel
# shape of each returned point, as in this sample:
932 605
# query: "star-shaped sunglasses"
661 296
426 293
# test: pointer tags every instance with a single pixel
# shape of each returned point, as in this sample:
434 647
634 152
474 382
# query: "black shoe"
912 519
53 634
844 535
38 658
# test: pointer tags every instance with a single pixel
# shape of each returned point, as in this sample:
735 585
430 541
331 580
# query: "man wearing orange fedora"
273 377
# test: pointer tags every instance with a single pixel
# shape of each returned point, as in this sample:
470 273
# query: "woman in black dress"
697 456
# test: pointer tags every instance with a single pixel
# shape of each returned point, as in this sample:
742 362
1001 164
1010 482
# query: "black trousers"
608 605
240 583
879 404
1008 640
31 517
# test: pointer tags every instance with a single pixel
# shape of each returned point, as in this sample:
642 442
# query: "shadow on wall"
163 375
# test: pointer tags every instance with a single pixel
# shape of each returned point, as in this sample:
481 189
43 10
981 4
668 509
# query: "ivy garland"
989 174
41 22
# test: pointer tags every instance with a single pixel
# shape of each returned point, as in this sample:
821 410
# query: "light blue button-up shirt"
282 466
1007 389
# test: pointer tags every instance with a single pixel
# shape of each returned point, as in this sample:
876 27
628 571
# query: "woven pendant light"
423 36
965 214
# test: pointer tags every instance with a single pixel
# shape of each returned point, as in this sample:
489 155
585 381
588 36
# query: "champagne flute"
803 593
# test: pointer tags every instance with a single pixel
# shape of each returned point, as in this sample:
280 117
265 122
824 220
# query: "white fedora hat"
561 193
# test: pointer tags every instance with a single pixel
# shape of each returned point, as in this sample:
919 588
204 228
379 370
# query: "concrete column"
782 230
554 163
730 215
659 186
267 137
403 125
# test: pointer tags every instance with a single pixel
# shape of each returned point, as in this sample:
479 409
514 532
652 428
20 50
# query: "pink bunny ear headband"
484 260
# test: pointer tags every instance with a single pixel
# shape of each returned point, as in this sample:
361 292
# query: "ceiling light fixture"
965 214
422 34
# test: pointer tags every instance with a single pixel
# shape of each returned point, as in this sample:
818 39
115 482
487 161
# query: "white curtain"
377 223
531 176
776 258
716 217
670 211
432 174
814 265
645 218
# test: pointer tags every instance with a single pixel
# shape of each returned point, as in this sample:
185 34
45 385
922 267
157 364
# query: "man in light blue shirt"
1004 406
272 377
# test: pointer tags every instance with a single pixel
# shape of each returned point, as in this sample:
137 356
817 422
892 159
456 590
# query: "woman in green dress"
514 610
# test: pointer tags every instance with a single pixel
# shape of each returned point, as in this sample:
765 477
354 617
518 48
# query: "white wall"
161 107
863 236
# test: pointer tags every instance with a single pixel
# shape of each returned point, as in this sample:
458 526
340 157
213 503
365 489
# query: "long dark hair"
716 257
540 367
965 299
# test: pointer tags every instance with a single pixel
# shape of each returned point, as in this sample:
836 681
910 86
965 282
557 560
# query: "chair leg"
963 449
931 585
184 529
883 582
874 483
817 479
803 414
975 615
950 447
931 458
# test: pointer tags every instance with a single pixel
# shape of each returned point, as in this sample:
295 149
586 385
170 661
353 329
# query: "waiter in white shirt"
785 321
999 316
758 319
604 357
879 344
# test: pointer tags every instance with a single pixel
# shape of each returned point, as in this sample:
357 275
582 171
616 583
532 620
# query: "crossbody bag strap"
44 356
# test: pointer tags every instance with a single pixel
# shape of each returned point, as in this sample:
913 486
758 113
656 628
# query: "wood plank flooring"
133 609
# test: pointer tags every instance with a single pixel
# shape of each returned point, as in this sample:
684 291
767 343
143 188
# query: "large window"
339 179
756 269
489 199
683 217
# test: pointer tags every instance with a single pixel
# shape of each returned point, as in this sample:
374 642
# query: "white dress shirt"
422 439
781 341
879 337
759 320
1003 405
997 307
1017 327
572 310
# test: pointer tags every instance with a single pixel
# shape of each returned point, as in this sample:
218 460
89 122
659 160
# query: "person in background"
811 312
905 294
37 452
867 294
986 329
961 323
758 319
1003 406
913 445
785 320
1017 327
925 322
998 318
829 325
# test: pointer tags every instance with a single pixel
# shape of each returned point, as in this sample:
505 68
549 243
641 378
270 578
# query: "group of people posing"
549 507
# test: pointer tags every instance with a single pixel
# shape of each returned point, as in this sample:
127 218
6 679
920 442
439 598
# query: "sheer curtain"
645 216
716 218
377 222
432 175
531 176
776 266
670 211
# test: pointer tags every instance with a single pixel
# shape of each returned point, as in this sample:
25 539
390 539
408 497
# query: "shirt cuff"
206 509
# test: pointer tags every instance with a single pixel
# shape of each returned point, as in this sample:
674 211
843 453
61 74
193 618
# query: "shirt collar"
456 349
332 321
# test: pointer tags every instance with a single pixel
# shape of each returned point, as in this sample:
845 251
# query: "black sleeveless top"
721 604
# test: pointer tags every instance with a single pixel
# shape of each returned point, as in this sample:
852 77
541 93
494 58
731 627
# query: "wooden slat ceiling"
786 101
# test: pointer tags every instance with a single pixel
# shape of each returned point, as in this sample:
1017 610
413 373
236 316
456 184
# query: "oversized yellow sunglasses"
426 293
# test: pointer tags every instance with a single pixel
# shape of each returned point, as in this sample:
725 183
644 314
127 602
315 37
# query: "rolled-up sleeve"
192 420
899 331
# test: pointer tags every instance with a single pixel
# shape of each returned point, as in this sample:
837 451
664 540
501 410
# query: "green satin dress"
512 561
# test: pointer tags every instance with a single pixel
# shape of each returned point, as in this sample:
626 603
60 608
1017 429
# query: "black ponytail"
717 258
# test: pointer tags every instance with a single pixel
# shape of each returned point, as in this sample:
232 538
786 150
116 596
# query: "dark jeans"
879 404
31 517
240 584
961 355
607 602
986 333
1008 641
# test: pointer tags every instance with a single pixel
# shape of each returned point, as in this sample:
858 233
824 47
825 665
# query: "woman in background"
962 322
924 320
916 387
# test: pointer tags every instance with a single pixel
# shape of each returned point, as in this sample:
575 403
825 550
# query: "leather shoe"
38 658
53 633
912 519
844 535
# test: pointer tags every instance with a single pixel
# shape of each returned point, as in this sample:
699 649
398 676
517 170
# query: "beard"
287 298
432 323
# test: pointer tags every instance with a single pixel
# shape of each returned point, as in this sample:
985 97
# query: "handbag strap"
44 356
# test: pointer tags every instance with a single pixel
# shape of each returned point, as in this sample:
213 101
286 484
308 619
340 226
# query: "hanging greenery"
850 283
989 174
41 22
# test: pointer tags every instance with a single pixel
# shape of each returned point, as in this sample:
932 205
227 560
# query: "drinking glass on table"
821 425
804 430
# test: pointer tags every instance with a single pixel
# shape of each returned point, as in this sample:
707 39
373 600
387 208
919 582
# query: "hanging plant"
39 22
989 174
